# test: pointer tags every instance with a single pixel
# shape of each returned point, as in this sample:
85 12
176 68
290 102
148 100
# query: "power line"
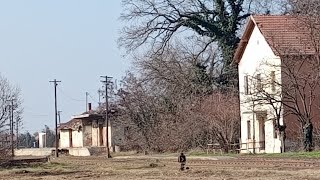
33 114
69 97
93 99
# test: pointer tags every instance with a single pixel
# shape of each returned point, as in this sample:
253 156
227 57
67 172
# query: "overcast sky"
69 40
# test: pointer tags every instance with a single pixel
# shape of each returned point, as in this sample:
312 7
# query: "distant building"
89 130
42 140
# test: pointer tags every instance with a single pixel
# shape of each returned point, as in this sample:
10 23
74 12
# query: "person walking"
182 160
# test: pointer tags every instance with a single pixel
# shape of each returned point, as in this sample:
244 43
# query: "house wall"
109 135
64 138
95 133
258 58
87 135
77 138
294 134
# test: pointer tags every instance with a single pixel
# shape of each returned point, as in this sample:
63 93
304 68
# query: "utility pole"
87 94
106 82
55 82
17 131
11 126
99 94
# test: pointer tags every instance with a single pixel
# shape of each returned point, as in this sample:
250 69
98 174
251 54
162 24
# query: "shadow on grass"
39 173
150 166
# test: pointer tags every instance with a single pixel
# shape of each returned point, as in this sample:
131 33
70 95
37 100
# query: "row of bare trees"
8 92
173 106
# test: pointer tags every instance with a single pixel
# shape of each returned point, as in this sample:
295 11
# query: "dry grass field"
166 167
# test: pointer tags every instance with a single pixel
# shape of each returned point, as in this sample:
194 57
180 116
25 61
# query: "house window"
246 85
273 81
259 85
249 129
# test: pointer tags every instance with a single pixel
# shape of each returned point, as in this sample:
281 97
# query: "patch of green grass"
313 154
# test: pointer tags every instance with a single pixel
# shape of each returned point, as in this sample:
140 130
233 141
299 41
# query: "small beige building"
88 130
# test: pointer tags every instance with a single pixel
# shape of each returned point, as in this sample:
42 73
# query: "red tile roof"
285 34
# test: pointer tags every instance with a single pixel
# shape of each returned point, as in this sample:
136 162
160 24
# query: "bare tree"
8 92
221 112
155 23
306 7
165 106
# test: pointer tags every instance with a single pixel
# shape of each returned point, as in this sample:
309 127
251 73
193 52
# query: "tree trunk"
307 136
283 140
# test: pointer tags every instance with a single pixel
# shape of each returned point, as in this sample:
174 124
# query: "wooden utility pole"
55 82
106 82
17 131
11 126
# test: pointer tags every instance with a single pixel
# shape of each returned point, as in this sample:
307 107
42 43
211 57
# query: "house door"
70 137
262 132
100 135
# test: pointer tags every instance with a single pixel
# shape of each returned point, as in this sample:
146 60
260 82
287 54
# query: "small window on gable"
246 85
273 81
259 85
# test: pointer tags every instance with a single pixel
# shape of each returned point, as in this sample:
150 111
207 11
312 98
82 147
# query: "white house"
265 40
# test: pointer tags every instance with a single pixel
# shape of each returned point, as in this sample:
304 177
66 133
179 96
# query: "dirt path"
145 167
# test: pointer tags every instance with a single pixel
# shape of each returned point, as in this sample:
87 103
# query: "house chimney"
89 107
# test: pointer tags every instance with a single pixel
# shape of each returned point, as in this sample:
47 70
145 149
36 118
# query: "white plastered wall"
77 139
258 58
64 138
